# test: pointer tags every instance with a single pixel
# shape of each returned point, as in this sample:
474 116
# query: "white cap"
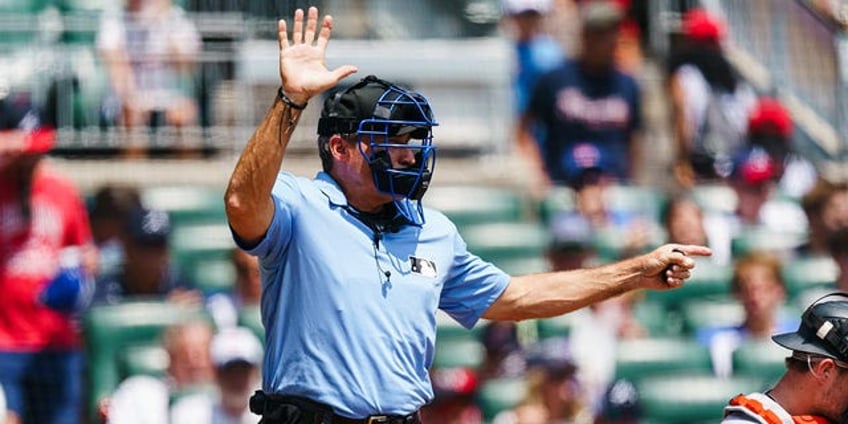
236 344
514 7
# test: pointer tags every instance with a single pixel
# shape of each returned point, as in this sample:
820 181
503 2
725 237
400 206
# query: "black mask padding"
400 183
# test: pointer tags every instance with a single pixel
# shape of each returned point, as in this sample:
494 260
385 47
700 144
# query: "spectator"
754 179
838 246
758 286
536 52
585 100
587 169
47 259
147 271
454 403
770 128
149 48
594 339
109 213
571 242
554 393
504 354
711 103
684 219
826 208
247 291
144 399
237 356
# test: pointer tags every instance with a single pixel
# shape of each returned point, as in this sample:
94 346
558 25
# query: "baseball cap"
755 166
554 356
769 115
235 345
700 25
517 7
600 15
149 227
17 113
583 162
823 329
570 230
344 109
454 381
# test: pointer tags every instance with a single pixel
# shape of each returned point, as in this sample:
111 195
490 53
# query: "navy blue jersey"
576 107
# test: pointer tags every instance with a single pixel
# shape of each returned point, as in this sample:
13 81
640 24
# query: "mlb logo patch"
423 266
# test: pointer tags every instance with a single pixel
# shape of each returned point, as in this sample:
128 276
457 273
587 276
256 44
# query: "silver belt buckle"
376 419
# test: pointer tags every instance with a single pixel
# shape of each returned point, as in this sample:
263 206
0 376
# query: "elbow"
235 205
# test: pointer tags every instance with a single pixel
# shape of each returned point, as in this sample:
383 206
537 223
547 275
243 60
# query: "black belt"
278 409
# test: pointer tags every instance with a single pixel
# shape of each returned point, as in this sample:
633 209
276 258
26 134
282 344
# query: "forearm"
248 197
552 294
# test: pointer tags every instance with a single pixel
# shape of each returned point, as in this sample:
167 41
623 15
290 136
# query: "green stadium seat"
715 198
448 329
506 241
213 275
144 359
19 23
684 399
500 394
757 239
708 279
467 205
559 200
202 252
641 358
452 353
714 312
762 359
654 317
109 329
187 204
642 200
558 326
802 274
522 266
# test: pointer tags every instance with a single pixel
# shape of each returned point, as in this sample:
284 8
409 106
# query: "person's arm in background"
682 134
303 74
556 293
528 148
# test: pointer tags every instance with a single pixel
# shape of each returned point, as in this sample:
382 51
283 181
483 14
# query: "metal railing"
791 50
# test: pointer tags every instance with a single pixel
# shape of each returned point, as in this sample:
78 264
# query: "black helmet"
823 330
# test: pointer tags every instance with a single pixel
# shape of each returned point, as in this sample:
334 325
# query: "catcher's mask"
378 113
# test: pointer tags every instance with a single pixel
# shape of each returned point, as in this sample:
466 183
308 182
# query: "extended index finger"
694 250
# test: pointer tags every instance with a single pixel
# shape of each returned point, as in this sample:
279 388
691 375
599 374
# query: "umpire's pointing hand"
302 69
670 265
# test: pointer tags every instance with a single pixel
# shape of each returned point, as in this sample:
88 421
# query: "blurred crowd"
579 123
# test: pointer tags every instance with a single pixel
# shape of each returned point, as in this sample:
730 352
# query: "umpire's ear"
340 148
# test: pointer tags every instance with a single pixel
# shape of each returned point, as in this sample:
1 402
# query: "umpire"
354 268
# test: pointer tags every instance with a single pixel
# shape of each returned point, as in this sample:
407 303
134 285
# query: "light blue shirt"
337 330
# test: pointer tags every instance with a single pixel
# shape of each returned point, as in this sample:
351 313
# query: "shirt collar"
331 189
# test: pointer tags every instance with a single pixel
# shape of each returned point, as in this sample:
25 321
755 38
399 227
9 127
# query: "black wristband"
289 102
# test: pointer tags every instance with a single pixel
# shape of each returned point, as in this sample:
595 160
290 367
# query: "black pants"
296 410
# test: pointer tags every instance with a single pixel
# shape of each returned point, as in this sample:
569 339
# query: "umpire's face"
353 172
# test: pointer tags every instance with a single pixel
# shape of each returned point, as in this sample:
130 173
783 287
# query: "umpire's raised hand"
303 72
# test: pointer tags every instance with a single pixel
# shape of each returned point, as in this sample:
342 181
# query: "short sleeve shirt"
350 319
30 251
575 107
